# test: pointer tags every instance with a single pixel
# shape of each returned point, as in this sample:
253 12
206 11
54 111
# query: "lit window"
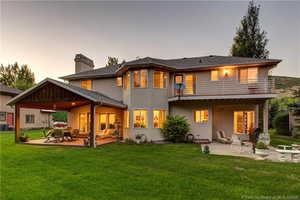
103 122
201 116
140 118
2 116
159 116
84 122
127 80
119 81
159 79
126 119
107 121
86 84
178 79
140 78
190 82
248 75
29 119
214 75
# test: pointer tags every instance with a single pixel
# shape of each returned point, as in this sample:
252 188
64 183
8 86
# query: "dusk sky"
47 35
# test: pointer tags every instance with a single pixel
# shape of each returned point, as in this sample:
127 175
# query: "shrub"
281 123
175 128
261 145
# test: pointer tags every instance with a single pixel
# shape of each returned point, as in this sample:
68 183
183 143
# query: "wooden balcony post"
17 123
92 131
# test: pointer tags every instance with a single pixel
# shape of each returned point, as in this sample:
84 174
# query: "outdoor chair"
75 134
58 135
222 139
236 142
47 135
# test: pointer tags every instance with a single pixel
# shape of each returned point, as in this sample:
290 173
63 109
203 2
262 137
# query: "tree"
250 41
112 61
17 77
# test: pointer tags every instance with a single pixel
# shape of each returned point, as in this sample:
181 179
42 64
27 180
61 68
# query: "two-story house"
212 92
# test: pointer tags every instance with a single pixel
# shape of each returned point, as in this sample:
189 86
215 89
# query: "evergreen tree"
17 77
250 41
112 61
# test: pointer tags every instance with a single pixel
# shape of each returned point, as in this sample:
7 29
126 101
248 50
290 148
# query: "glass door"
243 122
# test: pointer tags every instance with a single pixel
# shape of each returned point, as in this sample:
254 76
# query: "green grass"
123 171
283 140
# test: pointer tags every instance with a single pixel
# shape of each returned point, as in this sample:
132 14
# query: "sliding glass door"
243 122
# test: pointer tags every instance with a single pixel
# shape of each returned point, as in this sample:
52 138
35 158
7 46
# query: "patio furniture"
285 147
222 139
236 142
296 146
48 135
75 134
294 154
58 135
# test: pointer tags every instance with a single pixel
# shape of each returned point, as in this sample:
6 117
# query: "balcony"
203 88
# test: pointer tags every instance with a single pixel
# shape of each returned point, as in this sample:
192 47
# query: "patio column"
265 117
92 131
17 123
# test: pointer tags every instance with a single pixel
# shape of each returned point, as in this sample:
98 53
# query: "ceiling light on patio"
73 103
54 106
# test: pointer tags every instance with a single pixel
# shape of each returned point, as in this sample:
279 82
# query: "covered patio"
95 117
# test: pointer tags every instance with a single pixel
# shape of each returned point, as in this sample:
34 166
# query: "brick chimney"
83 63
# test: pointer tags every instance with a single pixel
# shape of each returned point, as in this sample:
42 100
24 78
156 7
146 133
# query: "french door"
243 122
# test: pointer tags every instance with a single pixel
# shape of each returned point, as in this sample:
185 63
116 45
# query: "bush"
175 128
261 145
281 123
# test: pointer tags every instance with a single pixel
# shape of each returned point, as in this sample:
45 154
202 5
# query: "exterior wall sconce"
226 72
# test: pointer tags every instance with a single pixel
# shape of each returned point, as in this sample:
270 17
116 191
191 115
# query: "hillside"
285 82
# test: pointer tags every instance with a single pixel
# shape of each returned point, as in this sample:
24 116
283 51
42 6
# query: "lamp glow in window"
159 79
119 81
214 76
159 116
140 119
201 116
140 78
190 84
126 119
86 84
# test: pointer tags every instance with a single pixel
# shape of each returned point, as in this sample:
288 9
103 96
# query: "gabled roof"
9 91
94 96
181 64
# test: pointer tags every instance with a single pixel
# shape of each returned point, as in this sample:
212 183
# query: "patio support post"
17 123
265 117
92 131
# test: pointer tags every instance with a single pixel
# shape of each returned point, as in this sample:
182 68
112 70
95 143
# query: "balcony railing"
226 87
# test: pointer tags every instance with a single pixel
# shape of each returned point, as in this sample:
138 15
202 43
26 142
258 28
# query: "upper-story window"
86 84
119 81
248 75
140 78
214 75
127 80
159 79
190 84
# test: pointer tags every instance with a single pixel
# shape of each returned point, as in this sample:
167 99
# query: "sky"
47 35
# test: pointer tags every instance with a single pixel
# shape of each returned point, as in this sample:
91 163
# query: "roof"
180 64
9 91
94 96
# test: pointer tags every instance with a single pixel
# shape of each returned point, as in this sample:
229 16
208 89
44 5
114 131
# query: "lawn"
129 171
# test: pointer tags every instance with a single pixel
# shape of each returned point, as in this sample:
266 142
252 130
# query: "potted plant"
206 149
261 150
24 138
138 138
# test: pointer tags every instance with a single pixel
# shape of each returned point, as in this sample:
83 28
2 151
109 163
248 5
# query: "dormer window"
86 84
140 78
119 81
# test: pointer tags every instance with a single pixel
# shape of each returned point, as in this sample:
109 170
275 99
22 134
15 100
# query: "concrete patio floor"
245 151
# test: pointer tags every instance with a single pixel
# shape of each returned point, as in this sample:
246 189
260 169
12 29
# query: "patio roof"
43 93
